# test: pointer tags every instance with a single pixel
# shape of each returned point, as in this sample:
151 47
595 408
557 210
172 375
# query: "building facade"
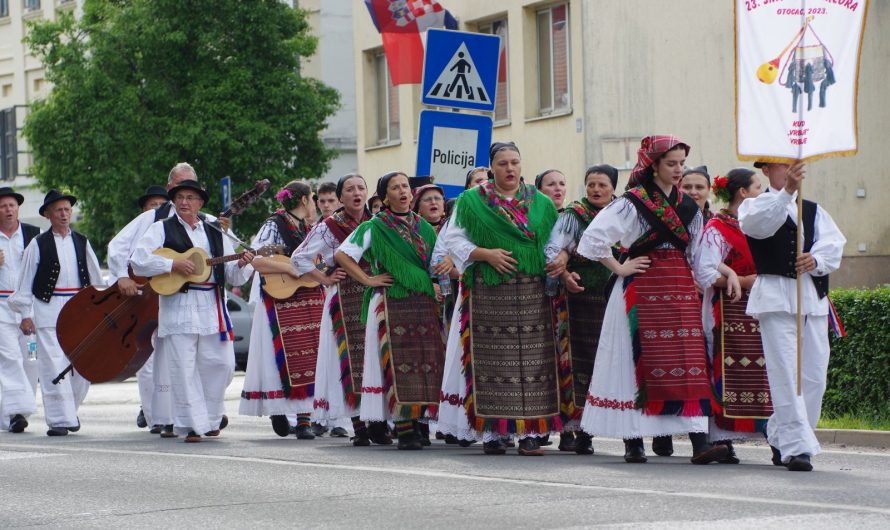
586 80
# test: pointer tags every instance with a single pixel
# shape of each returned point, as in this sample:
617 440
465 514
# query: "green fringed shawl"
390 253
487 229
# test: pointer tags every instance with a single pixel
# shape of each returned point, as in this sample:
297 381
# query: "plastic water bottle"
444 282
32 347
551 285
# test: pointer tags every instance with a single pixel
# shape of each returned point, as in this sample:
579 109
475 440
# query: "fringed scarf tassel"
338 324
519 427
566 379
466 358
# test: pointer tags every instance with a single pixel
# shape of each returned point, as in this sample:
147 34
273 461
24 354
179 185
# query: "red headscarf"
651 149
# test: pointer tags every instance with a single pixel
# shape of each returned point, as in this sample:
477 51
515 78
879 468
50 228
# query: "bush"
859 368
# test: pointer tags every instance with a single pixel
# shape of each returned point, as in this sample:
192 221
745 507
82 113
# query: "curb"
857 438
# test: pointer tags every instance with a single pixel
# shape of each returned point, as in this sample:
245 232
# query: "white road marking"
20 455
426 473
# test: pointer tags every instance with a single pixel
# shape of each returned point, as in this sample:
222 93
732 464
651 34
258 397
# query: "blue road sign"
460 69
450 144
226 185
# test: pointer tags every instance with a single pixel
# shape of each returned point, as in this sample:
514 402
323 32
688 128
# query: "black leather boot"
634 452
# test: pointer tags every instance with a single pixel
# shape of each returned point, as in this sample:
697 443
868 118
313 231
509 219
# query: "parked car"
241 314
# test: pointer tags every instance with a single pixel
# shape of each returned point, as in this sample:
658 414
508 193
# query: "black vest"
49 267
290 242
777 254
177 239
163 211
29 232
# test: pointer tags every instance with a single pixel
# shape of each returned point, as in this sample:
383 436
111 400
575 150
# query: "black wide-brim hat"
8 192
55 196
153 191
189 185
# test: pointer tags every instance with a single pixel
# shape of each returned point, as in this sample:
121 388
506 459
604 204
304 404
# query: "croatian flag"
400 23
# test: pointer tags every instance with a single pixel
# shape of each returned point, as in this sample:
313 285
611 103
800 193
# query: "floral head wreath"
287 199
720 187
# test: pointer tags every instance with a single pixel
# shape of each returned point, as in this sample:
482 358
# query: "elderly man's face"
9 210
59 214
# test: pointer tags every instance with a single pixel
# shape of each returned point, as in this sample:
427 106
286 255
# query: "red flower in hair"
720 188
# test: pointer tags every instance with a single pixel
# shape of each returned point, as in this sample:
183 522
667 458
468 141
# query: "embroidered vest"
177 239
777 253
49 267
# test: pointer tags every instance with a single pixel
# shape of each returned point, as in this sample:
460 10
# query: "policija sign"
797 70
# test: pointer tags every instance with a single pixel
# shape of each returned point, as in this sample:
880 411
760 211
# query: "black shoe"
583 443
465 443
731 457
280 425
223 422
800 463
451 439
377 433
567 441
530 447
167 432
663 445
339 432
715 454
496 447
17 424
318 429
422 433
140 420
544 441
360 440
57 431
777 456
409 442
634 452
155 429
439 436
76 427
509 442
304 432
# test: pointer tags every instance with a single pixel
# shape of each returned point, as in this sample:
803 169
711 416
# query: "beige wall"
545 142
671 71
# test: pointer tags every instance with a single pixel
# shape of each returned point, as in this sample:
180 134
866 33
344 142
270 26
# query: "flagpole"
799 243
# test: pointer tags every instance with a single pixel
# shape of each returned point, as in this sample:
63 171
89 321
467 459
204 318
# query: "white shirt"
13 247
196 311
712 251
122 245
319 242
560 239
760 218
458 244
356 250
45 314
619 222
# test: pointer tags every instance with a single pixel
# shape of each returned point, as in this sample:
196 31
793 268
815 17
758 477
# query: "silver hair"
180 167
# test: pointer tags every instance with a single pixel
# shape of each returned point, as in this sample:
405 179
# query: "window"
8 145
386 101
32 5
502 93
4 8
554 79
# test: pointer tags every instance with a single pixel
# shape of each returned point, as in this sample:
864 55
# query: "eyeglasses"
432 198
187 198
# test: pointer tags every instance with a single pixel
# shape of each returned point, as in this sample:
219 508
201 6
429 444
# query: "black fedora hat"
189 185
55 196
8 192
152 191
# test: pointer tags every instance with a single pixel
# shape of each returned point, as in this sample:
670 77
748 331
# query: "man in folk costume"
154 377
56 265
341 351
580 307
651 375
195 321
770 222
281 369
18 375
506 342
725 269
404 343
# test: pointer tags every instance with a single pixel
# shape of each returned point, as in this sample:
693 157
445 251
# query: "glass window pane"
545 94
380 94
393 98
560 39
502 101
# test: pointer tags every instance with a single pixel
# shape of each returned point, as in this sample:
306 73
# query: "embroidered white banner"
797 70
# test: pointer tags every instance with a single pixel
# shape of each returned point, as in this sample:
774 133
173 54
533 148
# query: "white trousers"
16 384
791 426
161 411
61 401
201 368
146 384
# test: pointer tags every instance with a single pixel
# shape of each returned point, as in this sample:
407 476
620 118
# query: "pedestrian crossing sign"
460 69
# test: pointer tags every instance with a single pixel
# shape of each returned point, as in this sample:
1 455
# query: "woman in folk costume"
429 203
581 306
552 183
404 344
696 183
280 375
725 268
341 350
651 375
507 352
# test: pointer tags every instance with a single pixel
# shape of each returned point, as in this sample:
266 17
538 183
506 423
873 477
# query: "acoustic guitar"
282 286
172 282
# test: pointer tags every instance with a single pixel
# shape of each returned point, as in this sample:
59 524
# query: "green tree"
139 85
